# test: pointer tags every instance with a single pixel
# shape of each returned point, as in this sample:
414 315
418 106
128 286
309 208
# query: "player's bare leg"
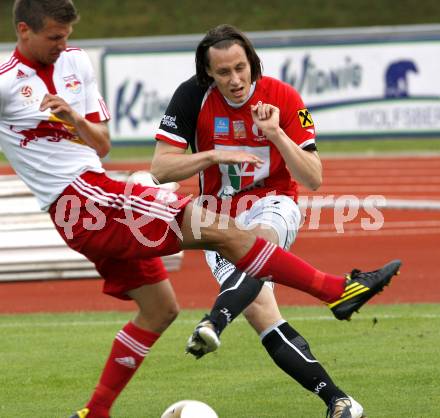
263 312
158 306
157 310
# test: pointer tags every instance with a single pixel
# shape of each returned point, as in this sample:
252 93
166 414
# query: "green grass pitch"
386 357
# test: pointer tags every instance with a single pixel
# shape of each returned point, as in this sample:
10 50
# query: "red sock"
267 259
129 349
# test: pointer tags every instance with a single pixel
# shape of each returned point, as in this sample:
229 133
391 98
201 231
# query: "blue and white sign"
138 88
352 90
366 89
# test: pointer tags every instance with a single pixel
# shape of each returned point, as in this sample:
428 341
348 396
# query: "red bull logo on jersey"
73 84
52 131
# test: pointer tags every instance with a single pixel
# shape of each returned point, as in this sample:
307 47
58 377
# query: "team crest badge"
73 84
305 118
239 129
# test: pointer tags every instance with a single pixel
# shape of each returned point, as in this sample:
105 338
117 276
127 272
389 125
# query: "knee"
262 314
161 319
222 233
253 312
169 313
173 312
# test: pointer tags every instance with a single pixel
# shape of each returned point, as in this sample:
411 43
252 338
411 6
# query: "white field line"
379 172
361 233
380 160
390 228
382 180
379 189
121 322
385 163
392 199
386 225
331 201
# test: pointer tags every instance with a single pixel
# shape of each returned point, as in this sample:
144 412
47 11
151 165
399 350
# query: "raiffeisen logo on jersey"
72 84
305 118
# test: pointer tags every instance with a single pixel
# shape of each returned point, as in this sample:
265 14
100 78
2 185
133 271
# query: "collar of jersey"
35 65
237 105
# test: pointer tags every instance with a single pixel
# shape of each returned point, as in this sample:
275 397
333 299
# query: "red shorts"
122 228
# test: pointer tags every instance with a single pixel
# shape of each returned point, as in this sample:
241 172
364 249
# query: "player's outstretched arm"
171 163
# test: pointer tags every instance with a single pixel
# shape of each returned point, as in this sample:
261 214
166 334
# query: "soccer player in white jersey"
53 131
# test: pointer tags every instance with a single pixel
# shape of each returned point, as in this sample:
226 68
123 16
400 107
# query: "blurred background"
114 19
334 53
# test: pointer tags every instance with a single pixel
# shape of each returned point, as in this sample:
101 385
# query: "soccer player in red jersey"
252 141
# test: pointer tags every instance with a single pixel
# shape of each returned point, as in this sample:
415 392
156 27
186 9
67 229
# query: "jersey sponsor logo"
21 74
239 129
53 131
305 118
26 91
169 121
258 133
221 126
238 177
73 84
241 175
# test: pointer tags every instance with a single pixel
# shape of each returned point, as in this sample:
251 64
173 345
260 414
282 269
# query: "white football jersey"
45 151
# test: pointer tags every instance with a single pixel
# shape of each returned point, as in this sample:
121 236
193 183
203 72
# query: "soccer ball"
189 409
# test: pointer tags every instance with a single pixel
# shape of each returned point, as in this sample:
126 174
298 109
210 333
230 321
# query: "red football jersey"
203 119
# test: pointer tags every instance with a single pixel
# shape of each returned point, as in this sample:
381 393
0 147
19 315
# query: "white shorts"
278 212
